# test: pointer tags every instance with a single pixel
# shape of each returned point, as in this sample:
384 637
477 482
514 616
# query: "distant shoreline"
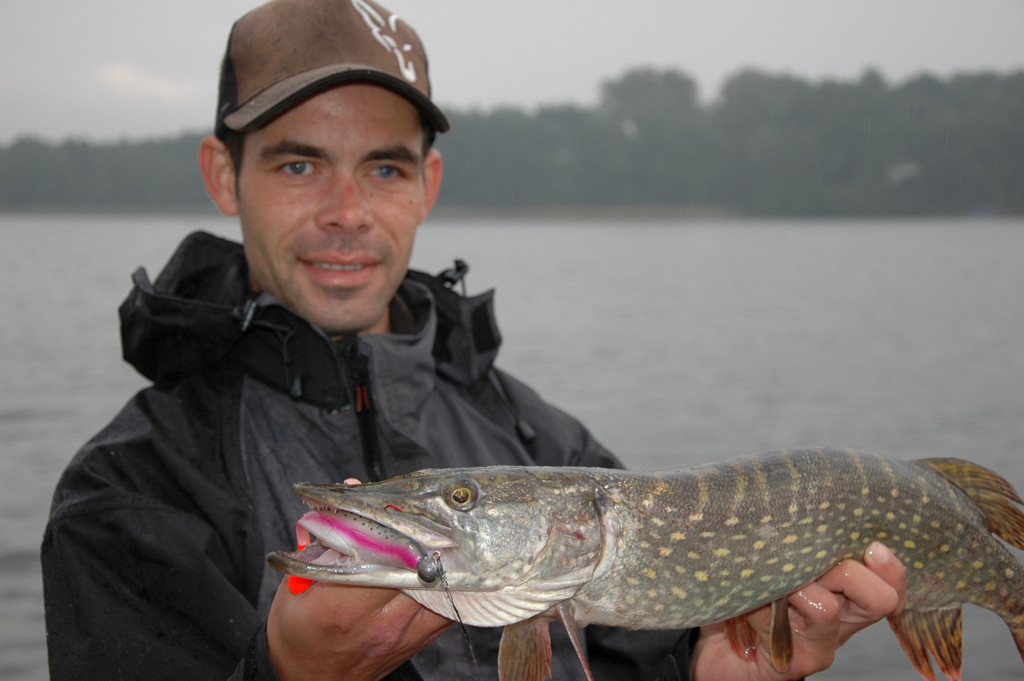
586 212
618 212
582 212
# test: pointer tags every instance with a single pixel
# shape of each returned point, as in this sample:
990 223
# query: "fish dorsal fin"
524 653
995 497
937 632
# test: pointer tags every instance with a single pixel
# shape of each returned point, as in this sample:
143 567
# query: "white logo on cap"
376 22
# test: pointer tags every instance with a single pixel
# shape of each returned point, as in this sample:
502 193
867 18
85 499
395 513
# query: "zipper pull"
362 398
360 366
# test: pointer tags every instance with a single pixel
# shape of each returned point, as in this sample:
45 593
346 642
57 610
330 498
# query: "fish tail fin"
1017 629
996 497
938 632
999 502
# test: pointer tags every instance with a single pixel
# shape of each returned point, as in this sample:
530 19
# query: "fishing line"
465 632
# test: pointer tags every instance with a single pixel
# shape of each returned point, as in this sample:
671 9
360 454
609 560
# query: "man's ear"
218 172
433 170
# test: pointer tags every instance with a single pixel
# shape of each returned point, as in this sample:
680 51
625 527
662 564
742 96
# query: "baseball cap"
286 51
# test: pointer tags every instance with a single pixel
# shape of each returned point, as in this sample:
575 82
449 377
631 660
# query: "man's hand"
343 632
823 615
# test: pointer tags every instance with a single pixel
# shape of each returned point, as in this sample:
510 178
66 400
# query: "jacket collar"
199 312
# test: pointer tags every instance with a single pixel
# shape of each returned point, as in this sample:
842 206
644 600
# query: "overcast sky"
117 69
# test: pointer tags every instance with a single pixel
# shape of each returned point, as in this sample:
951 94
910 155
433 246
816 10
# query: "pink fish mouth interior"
346 541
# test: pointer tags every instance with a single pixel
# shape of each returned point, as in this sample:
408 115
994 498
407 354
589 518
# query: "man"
311 353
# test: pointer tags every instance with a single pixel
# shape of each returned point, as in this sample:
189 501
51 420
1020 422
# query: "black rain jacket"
153 557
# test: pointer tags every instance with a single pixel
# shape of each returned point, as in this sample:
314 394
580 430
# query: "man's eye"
298 167
387 172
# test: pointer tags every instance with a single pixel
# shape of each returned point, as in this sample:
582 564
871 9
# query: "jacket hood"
200 311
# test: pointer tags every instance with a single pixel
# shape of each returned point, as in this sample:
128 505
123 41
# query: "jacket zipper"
359 365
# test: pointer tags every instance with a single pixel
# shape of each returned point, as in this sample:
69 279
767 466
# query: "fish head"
505 541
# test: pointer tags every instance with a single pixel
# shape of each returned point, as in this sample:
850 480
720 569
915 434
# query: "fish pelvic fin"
524 653
996 497
780 635
938 632
743 639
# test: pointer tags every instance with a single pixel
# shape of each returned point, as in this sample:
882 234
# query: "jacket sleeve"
144 557
256 665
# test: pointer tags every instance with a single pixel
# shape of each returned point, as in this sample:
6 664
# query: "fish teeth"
330 557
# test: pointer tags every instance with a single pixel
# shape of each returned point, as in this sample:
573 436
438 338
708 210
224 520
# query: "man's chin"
345 311
351 324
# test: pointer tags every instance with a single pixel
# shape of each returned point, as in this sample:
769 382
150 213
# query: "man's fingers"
408 621
870 595
868 591
818 606
884 563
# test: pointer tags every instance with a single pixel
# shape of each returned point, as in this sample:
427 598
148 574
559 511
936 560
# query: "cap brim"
278 98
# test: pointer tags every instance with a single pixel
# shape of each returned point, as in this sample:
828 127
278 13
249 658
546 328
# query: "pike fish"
519 546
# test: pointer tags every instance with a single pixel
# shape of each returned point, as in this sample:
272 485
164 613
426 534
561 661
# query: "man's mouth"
343 273
334 267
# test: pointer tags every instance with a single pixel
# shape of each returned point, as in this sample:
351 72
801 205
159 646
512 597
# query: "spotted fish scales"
521 545
750 530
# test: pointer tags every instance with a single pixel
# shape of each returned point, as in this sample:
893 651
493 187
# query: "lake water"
676 342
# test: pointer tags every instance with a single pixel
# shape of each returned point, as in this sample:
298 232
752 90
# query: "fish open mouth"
363 539
341 542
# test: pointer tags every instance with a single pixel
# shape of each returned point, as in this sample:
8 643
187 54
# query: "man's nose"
344 205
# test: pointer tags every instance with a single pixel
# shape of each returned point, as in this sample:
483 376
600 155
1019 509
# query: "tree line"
770 145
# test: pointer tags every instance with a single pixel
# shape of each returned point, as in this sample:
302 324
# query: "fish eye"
461 495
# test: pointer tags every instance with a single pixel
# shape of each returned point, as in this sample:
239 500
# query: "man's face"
329 196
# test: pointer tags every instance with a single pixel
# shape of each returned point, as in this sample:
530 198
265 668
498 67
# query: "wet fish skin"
747 531
705 544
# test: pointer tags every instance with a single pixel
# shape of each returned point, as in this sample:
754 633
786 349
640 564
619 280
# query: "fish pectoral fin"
780 635
938 632
524 653
565 616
